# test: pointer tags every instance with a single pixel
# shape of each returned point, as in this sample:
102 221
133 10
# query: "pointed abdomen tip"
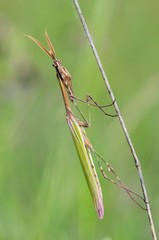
100 210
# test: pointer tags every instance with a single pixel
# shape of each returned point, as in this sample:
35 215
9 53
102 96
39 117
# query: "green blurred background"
43 193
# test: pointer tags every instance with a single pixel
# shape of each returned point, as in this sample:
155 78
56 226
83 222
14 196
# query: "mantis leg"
118 182
89 100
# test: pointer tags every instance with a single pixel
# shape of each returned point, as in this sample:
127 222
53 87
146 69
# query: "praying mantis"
82 143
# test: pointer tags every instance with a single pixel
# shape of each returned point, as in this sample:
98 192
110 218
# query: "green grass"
43 193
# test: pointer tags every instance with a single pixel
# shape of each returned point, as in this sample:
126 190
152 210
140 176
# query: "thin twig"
136 160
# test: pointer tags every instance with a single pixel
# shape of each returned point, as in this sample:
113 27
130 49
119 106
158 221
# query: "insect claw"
71 97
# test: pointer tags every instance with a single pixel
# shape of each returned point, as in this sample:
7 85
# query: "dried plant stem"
136 160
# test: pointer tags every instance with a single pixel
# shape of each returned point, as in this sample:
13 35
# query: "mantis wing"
87 164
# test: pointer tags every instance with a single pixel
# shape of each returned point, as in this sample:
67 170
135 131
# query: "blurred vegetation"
43 193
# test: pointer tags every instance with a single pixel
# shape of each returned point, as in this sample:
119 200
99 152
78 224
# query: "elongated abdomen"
87 165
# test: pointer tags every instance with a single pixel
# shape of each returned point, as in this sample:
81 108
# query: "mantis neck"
65 98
